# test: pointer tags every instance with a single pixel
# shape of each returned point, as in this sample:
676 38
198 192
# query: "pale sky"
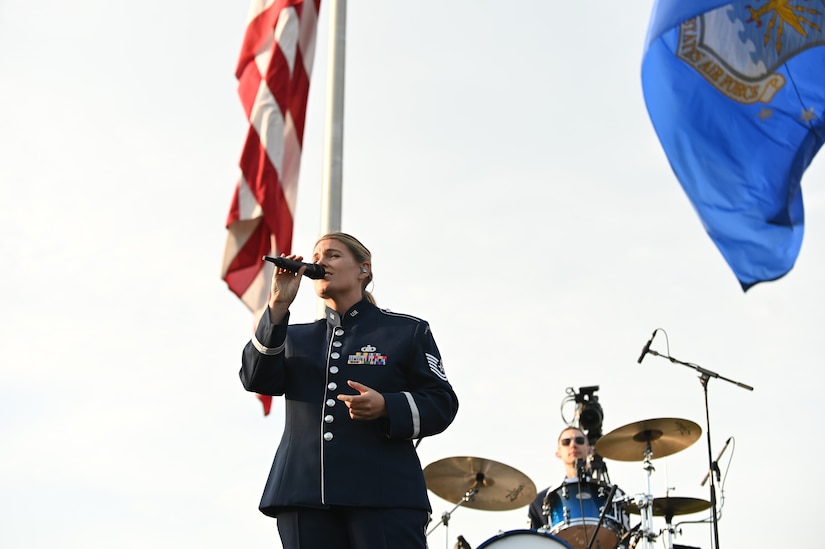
499 163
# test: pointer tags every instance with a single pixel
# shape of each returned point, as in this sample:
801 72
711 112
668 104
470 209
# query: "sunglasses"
578 440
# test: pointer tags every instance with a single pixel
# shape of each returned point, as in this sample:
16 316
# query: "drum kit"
583 513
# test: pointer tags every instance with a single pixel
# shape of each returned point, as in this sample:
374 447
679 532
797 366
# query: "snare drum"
574 509
525 539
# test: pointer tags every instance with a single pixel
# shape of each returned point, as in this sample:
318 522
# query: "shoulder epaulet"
401 315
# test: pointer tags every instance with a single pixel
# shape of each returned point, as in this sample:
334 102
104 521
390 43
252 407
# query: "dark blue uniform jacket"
326 458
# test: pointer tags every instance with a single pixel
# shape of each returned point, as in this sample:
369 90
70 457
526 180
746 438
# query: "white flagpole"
331 183
334 122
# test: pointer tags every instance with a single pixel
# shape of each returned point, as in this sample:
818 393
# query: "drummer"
573 451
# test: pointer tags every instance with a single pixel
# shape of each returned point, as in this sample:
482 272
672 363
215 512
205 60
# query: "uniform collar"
335 319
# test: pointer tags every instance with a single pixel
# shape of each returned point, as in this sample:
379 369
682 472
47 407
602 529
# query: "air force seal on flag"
436 366
739 47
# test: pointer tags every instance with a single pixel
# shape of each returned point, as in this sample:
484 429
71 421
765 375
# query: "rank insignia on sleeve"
436 366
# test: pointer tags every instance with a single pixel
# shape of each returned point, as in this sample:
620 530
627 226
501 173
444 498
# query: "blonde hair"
359 252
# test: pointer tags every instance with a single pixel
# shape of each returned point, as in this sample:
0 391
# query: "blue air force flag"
736 94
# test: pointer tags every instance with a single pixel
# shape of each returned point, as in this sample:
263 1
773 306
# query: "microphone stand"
704 377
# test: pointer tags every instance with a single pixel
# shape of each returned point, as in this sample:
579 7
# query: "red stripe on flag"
298 107
261 28
266 400
273 75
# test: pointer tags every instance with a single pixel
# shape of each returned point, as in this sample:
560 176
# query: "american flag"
273 84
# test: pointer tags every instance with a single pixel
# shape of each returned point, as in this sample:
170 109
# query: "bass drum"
525 539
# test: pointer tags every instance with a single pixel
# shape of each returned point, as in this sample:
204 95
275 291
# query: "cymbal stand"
469 495
670 530
704 377
645 503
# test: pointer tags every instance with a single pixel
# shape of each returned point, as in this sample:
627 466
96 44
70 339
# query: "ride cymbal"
670 507
498 487
665 436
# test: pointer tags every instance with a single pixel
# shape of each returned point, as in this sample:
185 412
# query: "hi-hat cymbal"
665 436
670 507
498 487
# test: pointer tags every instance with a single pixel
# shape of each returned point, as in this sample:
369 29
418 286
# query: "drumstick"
601 515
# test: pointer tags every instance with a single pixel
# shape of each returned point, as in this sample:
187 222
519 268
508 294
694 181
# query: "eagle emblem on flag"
739 47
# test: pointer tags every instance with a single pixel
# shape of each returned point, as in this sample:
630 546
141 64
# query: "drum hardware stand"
669 523
469 495
671 530
607 504
631 535
461 543
704 377
598 469
645 501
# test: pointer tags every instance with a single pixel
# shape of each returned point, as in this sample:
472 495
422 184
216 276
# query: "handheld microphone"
646 348
716 463
313 271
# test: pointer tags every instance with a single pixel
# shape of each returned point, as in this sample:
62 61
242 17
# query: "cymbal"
669 507
498 487
665 435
